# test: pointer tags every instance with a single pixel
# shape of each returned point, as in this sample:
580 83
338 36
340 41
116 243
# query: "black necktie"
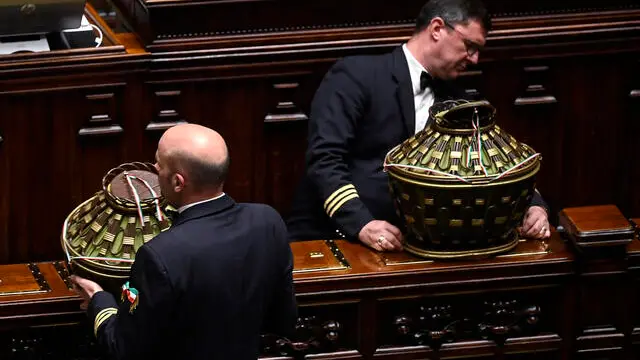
425 81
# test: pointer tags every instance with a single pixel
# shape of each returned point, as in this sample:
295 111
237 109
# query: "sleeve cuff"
101 307
102 317
338 198
100 301
537 200
353 218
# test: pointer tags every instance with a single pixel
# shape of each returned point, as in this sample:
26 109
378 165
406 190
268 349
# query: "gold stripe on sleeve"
103 315
343 200
335 194
337 200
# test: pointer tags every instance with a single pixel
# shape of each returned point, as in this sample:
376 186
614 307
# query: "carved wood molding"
527 27
439 324
167 106
212 18
543 346
471 82
303 47
103 110
635 335
311 336
535 93
607 338
568 18
286 110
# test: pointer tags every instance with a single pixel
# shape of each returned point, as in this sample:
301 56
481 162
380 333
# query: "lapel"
204 209
404 93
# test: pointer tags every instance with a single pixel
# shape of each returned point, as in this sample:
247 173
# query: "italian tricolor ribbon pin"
131 294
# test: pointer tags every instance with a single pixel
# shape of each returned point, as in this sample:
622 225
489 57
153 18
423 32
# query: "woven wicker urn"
102 235
462 184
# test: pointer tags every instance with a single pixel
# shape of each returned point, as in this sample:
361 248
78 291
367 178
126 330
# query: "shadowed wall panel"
563 77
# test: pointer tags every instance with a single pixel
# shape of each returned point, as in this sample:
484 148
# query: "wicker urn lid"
462 145
102 235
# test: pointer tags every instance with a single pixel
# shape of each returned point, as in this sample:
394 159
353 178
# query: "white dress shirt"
422 100
185 207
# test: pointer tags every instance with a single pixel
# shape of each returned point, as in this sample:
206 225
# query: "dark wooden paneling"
159 22
263 120
5 204
632 200
48 164
570 90
594 133
571 110
568 85
529 117
492 323
634 285
58 143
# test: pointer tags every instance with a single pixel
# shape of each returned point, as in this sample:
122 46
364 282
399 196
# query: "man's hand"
381 236
536 223
85 288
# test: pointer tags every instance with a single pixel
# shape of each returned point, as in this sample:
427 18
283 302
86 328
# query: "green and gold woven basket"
102 235
462 185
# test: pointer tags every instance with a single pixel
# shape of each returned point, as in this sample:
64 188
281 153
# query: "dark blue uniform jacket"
362 109
206 288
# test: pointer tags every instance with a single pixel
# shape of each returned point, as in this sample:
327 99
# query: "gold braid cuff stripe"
343 201
102 316
339 198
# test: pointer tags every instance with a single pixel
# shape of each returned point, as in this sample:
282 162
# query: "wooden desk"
384 295
357 303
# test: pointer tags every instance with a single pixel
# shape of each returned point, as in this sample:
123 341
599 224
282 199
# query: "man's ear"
178 182
435 27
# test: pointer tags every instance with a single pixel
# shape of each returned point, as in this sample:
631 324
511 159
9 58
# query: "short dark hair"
453 12
203 175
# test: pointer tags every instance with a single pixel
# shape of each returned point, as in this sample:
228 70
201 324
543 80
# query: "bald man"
212 283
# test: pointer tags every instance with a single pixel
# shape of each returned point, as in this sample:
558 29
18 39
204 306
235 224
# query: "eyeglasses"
471 46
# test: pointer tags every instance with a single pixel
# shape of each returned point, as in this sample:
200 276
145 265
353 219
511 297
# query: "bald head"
197 155
194 141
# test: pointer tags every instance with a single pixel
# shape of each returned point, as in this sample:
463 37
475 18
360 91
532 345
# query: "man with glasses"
368 104
472 47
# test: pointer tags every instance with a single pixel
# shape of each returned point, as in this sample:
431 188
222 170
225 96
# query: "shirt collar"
415 70
185 207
